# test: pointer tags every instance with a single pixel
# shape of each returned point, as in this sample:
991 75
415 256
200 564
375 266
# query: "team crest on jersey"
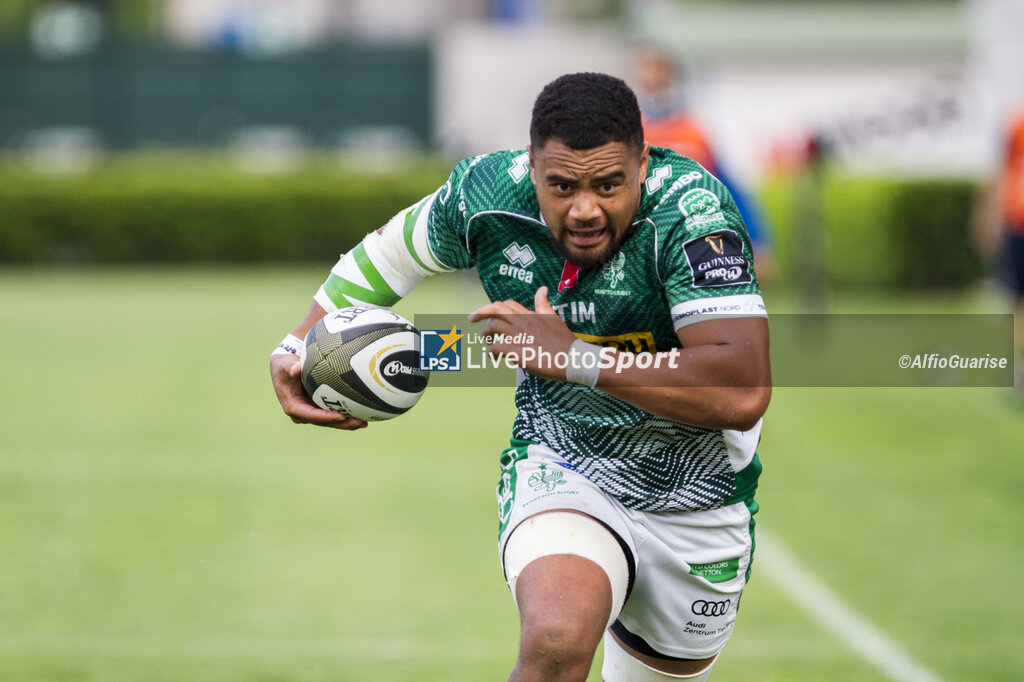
519 258
612 274
612 270
717 260
545 480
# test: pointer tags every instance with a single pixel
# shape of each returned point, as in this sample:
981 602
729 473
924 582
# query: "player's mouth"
586 238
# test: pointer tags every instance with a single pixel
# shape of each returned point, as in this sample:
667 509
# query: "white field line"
772 559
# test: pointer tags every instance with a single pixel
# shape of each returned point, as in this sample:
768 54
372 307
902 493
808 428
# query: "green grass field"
160 519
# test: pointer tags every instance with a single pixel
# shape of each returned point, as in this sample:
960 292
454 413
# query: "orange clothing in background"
1012 177
682 135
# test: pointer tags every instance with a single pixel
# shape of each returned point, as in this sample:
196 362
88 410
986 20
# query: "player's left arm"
721 378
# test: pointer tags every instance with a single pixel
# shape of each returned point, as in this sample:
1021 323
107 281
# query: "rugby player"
626 497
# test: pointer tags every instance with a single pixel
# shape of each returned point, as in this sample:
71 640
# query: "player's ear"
645 157
533 169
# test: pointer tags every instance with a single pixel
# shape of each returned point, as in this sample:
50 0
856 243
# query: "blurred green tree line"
129 19
866 233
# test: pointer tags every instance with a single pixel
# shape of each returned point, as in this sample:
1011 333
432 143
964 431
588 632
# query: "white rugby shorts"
687 569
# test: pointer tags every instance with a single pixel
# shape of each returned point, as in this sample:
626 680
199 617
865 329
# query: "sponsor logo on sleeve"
717 260
751 308
701 207
653 185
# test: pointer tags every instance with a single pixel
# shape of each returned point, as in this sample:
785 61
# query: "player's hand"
550 335
284 370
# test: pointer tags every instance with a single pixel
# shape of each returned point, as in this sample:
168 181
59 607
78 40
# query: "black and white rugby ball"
363 362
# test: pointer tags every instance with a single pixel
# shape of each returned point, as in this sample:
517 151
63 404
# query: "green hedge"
871 232
862 232
167 211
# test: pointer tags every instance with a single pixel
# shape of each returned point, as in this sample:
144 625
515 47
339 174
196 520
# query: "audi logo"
710 608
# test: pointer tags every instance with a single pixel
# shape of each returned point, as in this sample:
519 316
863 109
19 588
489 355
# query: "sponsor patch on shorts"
717 260
717 571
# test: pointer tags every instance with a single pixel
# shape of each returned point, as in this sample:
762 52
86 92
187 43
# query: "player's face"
588 197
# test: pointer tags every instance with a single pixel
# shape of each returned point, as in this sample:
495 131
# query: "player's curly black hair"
586 110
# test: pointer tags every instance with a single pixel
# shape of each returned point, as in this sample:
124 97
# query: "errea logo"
521 255
658 178
520 167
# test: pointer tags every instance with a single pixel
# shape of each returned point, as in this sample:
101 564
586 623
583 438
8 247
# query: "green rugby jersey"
686 258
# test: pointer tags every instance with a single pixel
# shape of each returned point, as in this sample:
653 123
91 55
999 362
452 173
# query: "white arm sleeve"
386 265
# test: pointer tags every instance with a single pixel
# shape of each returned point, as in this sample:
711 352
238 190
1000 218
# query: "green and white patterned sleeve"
707 260
389 262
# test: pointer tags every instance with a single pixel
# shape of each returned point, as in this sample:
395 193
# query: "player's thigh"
692 568
536 481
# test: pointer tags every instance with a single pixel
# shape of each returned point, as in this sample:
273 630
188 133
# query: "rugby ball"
363 362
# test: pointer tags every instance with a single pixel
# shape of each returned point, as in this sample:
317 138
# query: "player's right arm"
424 239
284 372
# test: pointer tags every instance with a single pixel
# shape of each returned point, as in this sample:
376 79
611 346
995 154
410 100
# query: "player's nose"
585 208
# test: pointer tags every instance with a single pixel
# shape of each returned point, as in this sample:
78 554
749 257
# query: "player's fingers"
350 424
303 412
342 424
339 420
540 302
493 328
489 311
496 329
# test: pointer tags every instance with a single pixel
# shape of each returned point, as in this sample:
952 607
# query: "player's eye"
561 187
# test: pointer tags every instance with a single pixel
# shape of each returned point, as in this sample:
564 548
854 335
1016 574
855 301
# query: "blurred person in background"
668 122
1011 204
999 228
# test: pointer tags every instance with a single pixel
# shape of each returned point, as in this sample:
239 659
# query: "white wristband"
584 363
292 345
